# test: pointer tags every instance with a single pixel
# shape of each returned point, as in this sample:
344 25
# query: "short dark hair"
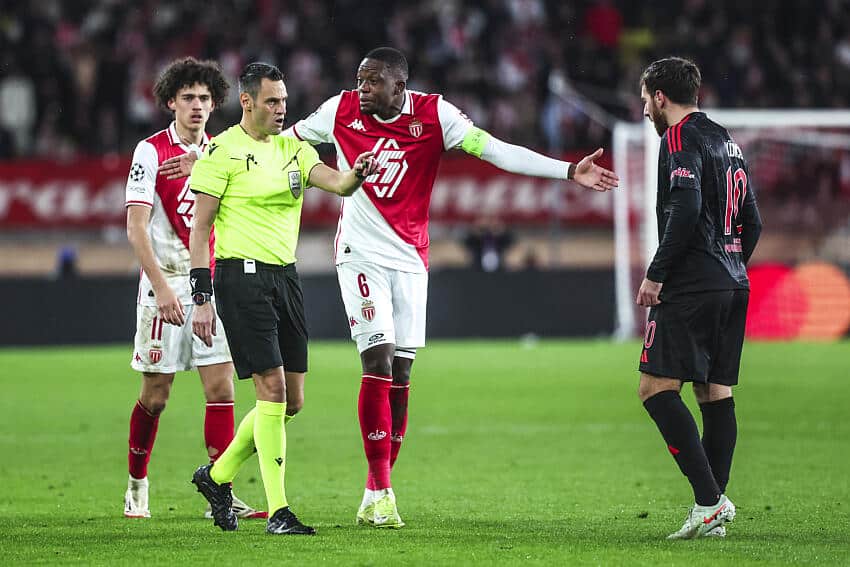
679 79
185 72
393 58
254 73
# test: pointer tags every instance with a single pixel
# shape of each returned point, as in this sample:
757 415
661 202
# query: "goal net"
799 166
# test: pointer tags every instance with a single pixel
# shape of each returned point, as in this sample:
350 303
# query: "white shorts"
384 306
164 348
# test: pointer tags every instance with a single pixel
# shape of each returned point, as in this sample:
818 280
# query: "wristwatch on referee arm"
201 282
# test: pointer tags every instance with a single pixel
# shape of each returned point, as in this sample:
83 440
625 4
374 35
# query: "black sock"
679 430
719 433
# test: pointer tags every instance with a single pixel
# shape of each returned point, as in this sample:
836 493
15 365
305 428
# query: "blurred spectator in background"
66 263
494 58
487 242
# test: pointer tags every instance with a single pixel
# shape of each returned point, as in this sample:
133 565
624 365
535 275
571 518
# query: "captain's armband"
475 141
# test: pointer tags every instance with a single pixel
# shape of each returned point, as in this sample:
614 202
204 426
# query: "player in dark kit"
696 288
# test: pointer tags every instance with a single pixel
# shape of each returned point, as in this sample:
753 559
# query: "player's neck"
252 132
394 109
189 137
677 113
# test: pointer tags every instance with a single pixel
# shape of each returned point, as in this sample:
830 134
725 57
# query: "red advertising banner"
89 193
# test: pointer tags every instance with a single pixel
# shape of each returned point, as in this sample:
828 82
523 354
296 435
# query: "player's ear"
659 99
172 103
245 101
399 87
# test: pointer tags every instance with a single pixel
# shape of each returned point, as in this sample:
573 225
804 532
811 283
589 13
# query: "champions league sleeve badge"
295 183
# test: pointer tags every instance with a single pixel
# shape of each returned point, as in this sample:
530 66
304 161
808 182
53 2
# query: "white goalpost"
773 141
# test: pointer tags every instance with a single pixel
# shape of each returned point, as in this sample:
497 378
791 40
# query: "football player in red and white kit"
382 238
381 244
159 219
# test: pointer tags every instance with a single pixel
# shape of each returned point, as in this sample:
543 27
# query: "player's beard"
658 120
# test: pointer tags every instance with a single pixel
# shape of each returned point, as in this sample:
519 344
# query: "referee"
250 182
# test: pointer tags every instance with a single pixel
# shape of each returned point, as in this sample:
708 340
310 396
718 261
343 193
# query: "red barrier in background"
89 193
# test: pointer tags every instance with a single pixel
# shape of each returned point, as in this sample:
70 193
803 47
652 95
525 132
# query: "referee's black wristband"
201 280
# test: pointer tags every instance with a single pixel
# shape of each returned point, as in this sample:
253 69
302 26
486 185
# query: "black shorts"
697 337
263 316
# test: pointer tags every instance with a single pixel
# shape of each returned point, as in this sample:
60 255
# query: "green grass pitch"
515 454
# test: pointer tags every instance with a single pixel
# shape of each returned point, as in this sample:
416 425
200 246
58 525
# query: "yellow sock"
270 439
228 464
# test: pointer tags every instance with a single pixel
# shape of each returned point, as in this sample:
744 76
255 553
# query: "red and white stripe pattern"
156 329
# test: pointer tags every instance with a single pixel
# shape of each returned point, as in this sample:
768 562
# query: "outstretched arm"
518 159
344 183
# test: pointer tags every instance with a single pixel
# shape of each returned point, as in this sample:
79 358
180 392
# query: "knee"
644 392
294 402
702 393
379 363
155 405
270 387
155 397
219 391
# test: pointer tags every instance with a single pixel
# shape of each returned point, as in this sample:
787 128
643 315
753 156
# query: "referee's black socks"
719 433
680 432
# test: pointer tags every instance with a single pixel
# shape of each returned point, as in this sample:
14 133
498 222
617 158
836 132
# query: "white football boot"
379 509
241 510
702 519
718 531
136 498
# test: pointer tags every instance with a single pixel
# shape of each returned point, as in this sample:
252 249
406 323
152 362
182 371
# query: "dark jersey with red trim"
706 235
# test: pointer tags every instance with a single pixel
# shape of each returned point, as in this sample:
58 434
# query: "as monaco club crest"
155 355
368 310
415 128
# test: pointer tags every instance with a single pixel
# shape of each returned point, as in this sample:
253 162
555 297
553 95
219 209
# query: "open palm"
592 176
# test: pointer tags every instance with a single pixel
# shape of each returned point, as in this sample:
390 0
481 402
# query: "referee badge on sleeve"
295 183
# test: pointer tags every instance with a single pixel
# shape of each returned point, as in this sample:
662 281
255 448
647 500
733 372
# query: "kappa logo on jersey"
368 310
392 168
377 435
137 172
415 128
155 354
352 321
681 172
357 124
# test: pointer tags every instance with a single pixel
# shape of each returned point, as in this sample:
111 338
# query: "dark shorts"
697 337
263 315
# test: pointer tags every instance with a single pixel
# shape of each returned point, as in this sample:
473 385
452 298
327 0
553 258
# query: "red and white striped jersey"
172 207
386 222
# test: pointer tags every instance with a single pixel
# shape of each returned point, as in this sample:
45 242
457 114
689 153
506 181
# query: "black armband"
571 171
201 280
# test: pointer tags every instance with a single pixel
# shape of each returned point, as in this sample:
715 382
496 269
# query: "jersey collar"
407 108
174 138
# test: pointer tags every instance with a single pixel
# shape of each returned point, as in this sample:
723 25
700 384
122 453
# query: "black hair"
254 73
185 72
394 59
679 79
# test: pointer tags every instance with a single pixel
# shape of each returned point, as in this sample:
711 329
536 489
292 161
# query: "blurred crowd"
76 77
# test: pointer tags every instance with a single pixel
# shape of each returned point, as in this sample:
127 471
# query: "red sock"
218 428
143 426
398 406
373 407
